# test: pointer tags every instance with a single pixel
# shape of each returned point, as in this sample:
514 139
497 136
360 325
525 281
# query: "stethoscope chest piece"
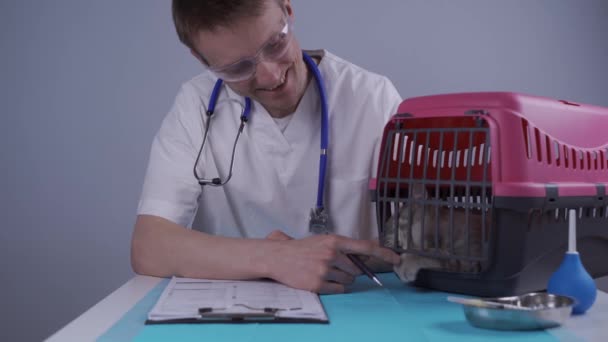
319 221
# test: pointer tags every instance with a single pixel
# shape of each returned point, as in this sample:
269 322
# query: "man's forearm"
316 263
162 248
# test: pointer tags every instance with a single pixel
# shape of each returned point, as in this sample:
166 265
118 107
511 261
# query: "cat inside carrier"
473 190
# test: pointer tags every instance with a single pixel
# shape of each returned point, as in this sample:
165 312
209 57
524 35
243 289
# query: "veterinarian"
266 154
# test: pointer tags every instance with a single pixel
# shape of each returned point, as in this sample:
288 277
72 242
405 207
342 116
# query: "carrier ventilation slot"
415 154
561 214
540 146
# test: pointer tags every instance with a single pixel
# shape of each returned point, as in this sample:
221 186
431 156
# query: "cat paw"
410 264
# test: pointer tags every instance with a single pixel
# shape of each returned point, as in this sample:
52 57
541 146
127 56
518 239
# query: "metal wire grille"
434 195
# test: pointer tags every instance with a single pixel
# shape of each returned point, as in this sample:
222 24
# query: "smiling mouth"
280 84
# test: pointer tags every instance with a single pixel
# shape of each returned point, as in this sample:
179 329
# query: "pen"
355 259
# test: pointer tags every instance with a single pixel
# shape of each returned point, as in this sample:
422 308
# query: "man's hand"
319 263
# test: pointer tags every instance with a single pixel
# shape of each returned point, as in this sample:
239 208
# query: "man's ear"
288 8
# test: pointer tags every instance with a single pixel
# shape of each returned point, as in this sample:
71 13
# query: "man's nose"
268 74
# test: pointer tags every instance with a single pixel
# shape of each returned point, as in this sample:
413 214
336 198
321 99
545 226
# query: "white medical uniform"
275 175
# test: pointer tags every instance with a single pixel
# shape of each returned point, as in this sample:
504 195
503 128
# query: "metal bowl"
538 311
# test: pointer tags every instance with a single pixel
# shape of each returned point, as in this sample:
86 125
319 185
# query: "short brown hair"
193 16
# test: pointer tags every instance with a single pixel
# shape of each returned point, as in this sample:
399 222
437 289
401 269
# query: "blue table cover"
367 313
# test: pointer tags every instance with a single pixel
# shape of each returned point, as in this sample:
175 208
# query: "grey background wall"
84 86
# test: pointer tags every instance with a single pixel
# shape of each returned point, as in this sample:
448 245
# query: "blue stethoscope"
319 218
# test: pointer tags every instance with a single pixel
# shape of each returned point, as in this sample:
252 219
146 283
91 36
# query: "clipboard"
187 300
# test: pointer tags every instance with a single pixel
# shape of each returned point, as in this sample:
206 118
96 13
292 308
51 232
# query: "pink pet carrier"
518 163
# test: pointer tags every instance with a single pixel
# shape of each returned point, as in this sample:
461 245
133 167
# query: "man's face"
277 84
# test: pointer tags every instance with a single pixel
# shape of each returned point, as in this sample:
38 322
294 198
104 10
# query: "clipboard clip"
208 314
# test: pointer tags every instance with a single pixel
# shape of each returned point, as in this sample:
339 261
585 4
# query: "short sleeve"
389 101
170 189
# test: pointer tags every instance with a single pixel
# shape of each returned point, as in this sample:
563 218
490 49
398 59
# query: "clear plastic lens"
276 49
239 70
245 69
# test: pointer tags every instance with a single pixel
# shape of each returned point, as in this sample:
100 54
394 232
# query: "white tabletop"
95 321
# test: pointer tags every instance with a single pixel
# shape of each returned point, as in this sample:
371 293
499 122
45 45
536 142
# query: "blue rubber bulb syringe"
571 279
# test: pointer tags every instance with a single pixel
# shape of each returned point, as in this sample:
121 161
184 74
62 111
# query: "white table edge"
101 316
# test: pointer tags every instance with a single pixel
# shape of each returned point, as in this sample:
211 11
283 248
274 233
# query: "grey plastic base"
527 249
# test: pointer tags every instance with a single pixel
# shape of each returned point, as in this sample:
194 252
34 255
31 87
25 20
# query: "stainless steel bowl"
538 311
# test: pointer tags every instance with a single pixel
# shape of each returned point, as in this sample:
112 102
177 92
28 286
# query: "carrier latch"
551 196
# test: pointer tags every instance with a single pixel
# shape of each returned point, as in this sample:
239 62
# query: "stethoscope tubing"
312 66
324 127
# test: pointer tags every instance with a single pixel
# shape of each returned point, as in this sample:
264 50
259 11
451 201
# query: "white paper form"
184 297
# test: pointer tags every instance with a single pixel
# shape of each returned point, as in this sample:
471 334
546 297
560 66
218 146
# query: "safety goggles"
273 50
